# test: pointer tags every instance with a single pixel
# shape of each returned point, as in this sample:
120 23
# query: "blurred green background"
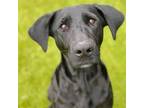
36 67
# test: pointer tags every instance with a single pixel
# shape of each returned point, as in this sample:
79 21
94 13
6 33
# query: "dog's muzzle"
84 48
83 54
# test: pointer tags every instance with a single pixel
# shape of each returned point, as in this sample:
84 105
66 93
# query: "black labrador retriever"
81 79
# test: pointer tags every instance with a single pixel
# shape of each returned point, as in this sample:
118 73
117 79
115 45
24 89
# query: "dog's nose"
84 48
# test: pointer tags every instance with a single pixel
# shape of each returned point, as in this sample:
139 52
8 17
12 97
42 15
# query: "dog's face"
78 31
78 34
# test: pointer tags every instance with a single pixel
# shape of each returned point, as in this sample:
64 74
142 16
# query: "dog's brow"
89 14
65 19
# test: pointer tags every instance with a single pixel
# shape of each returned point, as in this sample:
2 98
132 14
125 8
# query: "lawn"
36 67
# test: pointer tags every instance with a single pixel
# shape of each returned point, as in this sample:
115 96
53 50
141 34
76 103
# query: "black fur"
81 80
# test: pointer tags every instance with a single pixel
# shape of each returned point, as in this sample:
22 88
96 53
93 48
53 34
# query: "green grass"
36 67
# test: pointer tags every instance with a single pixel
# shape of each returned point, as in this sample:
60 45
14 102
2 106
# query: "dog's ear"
40 31
112 17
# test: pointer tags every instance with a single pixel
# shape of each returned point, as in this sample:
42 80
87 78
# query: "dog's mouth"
86 65
85 62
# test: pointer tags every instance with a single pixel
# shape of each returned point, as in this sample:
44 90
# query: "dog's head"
78 31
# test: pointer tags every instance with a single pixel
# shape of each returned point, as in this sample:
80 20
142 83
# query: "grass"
36 67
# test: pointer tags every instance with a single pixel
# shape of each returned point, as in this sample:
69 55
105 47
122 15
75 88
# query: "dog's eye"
64 27
91 21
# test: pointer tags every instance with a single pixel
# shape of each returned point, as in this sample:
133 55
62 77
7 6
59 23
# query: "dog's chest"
84 91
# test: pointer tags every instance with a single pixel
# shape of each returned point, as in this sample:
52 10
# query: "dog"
81 79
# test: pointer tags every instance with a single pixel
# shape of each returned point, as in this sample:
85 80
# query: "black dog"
81 79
